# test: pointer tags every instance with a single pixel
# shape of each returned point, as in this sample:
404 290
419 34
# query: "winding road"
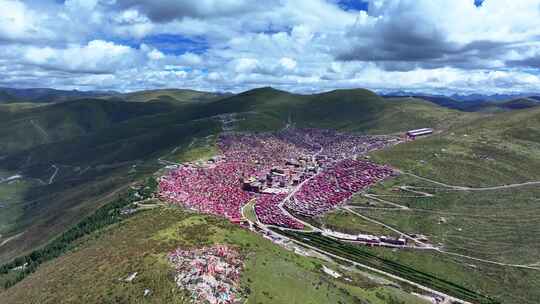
53 176
425 194
40 130
463 188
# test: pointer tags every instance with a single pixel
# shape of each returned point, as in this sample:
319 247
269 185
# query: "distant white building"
419 132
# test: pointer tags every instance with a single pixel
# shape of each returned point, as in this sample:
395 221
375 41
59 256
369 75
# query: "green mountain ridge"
101 146
170 95
109 137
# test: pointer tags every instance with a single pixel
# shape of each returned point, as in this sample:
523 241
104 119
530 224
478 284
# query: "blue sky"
354 5
443 46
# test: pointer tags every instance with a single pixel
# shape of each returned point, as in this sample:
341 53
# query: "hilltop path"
425 194
41 130
463 188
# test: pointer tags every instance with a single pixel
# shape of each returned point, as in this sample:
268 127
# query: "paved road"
167 163
293 192
10 239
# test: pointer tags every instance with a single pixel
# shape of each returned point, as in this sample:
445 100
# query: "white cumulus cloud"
300 45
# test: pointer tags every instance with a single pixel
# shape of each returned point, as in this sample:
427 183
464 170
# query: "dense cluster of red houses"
269 213
213 190
262 150
335 185
335 145
278 160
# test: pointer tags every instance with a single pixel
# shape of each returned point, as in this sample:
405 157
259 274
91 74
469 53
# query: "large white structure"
419 132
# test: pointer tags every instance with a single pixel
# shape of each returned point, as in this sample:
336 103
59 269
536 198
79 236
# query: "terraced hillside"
472 190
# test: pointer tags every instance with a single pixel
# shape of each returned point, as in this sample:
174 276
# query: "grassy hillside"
498 225
490 227
415 113
497 149
89 168
504 105
10 108
5 97
468 105
347 110
170 95
75 156
483 105
98 146
106 145
45 95
26 127
520 103
140 244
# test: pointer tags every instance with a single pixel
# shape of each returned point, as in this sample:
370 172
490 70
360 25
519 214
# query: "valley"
269 152
440 202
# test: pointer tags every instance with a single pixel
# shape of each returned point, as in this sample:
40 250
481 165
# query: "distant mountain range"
464 102
46 95
97 142
465 97
475 102
78 154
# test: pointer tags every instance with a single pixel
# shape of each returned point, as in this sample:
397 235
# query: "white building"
419 132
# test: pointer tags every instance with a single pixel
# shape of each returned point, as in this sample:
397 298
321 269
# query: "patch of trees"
104 216
149 188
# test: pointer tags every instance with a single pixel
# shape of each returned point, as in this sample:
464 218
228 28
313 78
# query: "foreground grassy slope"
503 285
9 108
498 226
373 258
140 244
